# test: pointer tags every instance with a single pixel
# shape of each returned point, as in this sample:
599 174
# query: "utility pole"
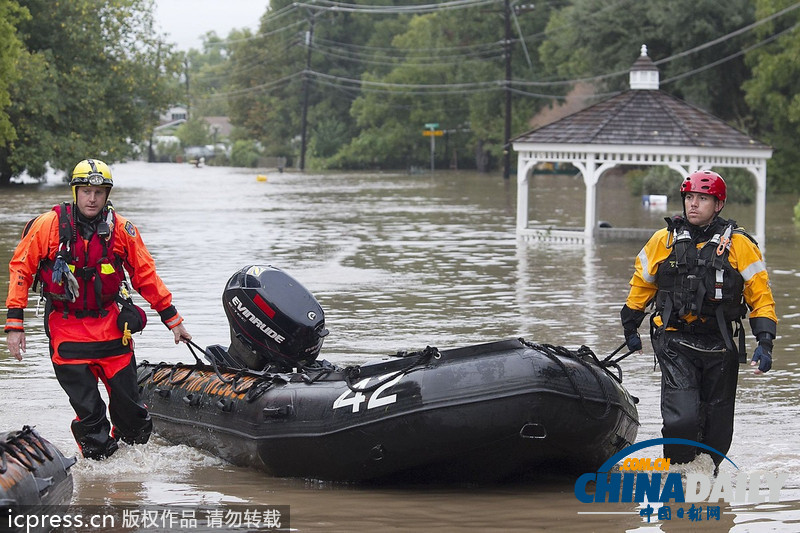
507 127
306 88
188 92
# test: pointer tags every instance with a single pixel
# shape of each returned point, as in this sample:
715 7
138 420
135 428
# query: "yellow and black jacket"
701 280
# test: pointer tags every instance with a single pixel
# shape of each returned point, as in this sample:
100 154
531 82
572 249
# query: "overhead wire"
731 56
469 88
416 9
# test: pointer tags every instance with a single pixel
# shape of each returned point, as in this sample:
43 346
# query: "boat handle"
191 399
277 412
164 393
226 406
533 431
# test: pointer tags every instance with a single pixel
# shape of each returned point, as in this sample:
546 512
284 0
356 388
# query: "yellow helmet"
90 172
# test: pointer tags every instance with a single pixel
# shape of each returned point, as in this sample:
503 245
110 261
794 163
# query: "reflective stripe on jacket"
744 256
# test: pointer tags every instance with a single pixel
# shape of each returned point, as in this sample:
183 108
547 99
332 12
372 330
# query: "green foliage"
95 76
194 132
590 38
796 217
168 151
739 182
245 154
10 49
654 180
772 92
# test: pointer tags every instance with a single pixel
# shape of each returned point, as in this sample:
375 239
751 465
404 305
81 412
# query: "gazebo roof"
642 117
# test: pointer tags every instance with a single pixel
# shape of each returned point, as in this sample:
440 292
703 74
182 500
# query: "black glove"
633 340
631 320
763 355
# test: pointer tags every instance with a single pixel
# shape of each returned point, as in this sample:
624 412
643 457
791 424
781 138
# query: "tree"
591 38
773 92
95 75
10 50
193 132
209 74
461 49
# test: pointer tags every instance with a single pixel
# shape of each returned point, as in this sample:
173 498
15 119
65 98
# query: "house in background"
174 116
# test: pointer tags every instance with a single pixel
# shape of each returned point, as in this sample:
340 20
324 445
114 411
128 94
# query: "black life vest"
700 281
98 272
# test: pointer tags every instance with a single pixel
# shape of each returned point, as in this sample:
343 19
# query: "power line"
366 86
729 35
327 5
732 56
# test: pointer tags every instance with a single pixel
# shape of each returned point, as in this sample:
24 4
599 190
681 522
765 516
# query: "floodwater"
400 262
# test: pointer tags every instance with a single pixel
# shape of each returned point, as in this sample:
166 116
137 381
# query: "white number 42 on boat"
375 397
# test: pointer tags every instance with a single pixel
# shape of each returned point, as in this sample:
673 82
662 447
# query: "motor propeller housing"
274 320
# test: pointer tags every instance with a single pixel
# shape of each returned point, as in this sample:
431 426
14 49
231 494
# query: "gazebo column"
524 167
591 175
760 173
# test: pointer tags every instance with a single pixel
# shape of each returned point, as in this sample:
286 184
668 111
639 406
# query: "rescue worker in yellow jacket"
702 274
79 253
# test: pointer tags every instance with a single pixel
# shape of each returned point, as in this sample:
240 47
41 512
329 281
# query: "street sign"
435 133
432 125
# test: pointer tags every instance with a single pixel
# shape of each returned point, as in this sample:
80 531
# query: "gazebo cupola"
641 126
644 73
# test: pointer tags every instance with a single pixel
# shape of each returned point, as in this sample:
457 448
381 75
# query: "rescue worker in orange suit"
79 253
702 274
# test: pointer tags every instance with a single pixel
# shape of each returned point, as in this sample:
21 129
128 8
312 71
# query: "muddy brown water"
398 262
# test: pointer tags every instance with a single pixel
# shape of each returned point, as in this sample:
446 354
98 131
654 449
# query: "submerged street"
399 262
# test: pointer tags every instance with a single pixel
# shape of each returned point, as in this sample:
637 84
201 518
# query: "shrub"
244 153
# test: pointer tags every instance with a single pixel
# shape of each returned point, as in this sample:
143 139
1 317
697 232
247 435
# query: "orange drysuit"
86 343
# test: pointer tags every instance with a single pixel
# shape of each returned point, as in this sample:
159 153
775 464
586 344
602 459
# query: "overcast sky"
185 21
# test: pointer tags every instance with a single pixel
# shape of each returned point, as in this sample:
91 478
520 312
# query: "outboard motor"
274 320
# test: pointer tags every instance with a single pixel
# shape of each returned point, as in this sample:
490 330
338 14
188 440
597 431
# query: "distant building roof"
221 124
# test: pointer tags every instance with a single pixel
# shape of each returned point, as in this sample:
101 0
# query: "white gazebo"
641 126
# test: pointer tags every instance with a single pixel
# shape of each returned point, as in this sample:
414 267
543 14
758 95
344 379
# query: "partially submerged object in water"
33 472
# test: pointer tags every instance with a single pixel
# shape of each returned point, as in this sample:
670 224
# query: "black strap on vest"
66 237
686 253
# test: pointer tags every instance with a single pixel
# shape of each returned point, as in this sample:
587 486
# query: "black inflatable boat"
496 411
34 474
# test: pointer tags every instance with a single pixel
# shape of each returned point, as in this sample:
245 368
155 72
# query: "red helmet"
705 182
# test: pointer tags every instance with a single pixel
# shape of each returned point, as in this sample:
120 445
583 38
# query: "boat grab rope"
263 381
253 391
422 357
23 454
553 352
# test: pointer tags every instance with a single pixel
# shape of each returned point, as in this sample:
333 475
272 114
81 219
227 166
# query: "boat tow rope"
25 455
614 363
420 358
552 352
